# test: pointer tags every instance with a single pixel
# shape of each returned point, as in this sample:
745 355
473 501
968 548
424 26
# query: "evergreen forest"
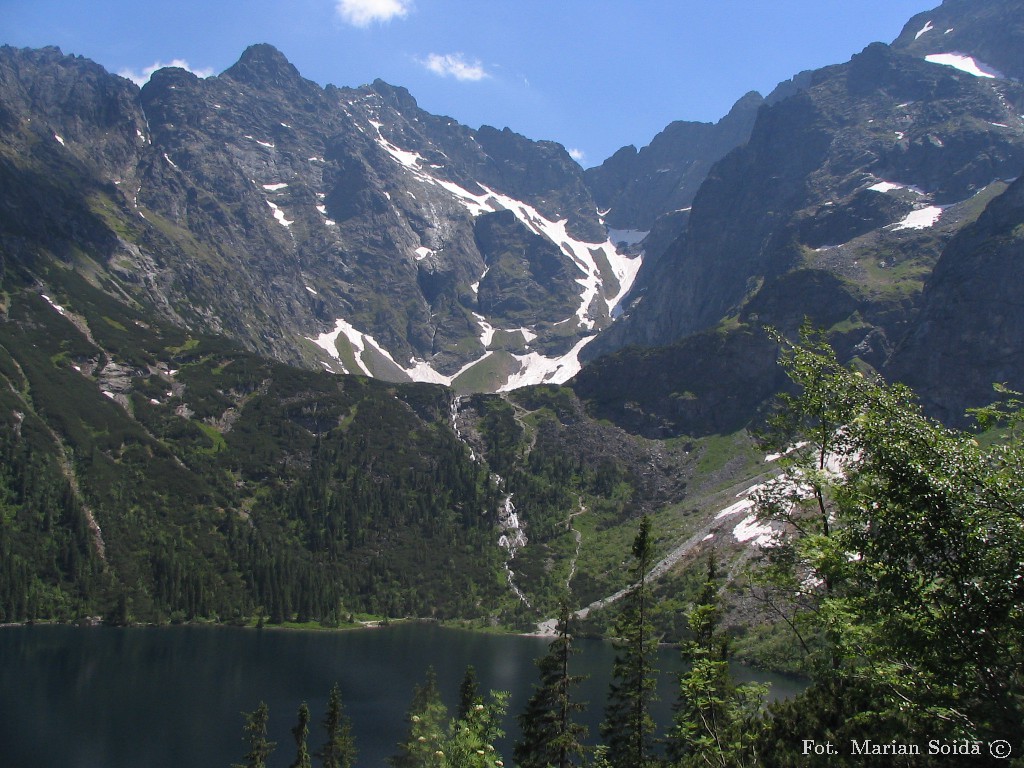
897 570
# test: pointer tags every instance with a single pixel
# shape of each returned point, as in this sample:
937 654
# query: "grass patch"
216 439
734 452
486 374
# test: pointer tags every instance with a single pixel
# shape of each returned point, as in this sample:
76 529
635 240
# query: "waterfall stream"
511 536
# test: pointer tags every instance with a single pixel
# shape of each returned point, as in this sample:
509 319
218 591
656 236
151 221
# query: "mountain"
989 33
635 188
152 474
188 271
321 226
855 177
197 276
967 336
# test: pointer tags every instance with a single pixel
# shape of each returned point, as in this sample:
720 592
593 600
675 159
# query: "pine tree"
301 733
339 751
549 735
628 725
256 732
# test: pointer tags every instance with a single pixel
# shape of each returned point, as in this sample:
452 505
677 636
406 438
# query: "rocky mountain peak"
885 154
395 95
335 227
94 114
637 187
262 64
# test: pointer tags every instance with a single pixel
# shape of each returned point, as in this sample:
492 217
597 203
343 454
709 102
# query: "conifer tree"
627 726
256 733
469 692
301 733
716 721
339 751
550 737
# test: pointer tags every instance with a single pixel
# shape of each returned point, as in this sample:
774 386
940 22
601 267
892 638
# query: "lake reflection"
170 697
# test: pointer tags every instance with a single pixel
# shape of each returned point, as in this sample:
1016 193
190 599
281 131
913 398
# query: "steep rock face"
331 226
70 138
863 174
526 273
543 174
47 97
707 383
637 187
968 334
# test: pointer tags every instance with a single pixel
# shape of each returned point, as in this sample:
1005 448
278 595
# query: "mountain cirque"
346 228
338 225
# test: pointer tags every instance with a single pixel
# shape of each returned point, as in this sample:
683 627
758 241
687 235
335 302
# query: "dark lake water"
171 697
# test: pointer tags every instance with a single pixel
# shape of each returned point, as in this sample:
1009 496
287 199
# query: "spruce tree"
550 737
301 733
339 751
627 726
469 692
716 721
256 733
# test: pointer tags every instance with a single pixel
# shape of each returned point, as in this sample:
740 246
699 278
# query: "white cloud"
142 78
455 65
577 154
362 13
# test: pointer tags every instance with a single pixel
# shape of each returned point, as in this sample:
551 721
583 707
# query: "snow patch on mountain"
891 186
408 159
279 215
735 507
964 63
926 28
754 532
919 219
329 343
537 369
486 330
322 210
54 304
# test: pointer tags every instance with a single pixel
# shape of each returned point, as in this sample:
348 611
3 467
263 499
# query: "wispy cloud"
578 155
363 13
455 65
141 78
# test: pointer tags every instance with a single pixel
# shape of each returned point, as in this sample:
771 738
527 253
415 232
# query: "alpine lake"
173 697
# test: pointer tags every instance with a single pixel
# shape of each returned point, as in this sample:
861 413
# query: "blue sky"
593 75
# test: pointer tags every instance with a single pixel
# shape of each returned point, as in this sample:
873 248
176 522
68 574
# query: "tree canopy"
904 551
